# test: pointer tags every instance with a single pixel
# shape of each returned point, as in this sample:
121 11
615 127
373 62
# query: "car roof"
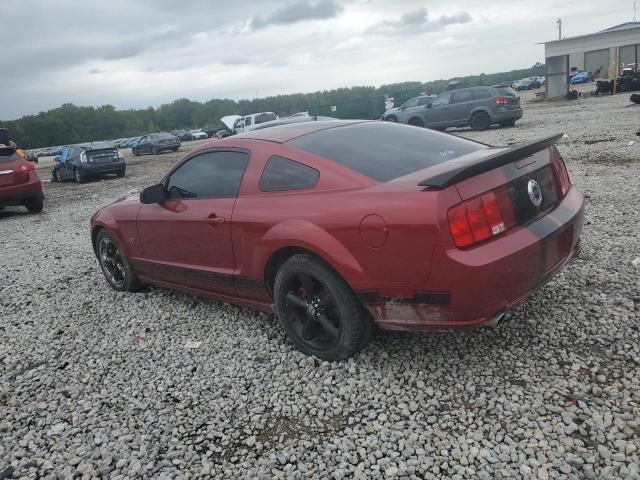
285 133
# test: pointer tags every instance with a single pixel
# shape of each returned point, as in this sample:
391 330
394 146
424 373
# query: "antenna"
559 22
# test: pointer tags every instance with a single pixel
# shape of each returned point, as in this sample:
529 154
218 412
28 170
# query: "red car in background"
19 182
344 225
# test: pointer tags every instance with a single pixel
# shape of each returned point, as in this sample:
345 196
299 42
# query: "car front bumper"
471 288
18 194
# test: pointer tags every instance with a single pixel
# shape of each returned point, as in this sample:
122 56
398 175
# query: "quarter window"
284 174
480 93
210 175
247 121
265 117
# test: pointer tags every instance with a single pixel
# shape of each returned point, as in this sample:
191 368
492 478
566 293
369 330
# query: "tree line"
70 124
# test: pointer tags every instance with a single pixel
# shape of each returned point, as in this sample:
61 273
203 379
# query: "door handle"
214 220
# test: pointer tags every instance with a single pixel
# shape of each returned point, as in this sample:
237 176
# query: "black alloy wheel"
319 311
480 121
114 264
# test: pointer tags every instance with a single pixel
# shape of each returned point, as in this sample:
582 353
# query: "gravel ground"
95 383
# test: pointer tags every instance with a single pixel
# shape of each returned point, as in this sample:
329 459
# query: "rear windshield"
384 150
506 91
8 155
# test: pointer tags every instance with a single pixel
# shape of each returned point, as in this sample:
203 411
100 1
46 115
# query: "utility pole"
559 22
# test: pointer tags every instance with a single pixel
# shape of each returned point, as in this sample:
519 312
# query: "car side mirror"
153 194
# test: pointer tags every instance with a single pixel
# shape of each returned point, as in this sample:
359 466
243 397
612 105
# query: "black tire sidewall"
484 125
34 205
131 283
353 320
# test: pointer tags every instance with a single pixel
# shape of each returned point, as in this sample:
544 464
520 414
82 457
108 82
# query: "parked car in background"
211 130
82 162
19 182
133 141
123 143
581 77
156 143
182 135
31 156
477 107
526 84
300 114
470 233
224 133
248 122
198 134
407 109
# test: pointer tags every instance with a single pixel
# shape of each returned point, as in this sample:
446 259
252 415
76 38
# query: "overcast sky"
139 53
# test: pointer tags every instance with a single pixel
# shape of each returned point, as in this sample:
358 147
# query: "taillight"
475 220
560 171
502 100
26 167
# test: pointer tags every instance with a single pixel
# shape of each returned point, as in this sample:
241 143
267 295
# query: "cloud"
95 71
417 22
298 12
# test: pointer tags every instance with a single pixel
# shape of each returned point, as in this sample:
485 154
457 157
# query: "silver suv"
477 107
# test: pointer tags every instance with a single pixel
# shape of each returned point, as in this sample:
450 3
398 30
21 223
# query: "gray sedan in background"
156 143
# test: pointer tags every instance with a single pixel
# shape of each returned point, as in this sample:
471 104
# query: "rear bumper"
103 168
17 194
468 288
505 115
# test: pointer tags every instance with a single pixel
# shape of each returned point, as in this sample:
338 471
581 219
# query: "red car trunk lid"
13 170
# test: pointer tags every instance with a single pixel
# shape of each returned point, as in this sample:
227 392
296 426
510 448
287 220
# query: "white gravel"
95 383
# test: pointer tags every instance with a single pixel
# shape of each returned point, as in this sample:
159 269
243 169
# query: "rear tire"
120 174
416 122
55 176
319 311
34 205
115 264
480 121
135 152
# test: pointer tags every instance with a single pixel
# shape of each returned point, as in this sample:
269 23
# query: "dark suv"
477 107
156 143
80 162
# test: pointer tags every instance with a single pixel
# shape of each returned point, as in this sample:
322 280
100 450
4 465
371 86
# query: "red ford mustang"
344 225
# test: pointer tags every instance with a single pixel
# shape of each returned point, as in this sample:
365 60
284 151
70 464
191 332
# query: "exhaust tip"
497 320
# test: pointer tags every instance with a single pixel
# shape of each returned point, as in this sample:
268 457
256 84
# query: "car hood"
392 110
229 120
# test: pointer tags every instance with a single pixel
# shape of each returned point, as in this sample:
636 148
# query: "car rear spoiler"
495 160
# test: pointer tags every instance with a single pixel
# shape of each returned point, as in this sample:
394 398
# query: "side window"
442 100
237 123
210 175
462 96
411 103
423 100
265 117
284 174
481 93
247 121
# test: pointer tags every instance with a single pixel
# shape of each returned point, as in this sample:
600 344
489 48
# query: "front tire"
416 122
115 264
480 121
120 174
78 176
318 310
34 205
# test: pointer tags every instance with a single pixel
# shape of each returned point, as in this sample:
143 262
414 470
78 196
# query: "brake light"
26 167
475 220
502 100
560 171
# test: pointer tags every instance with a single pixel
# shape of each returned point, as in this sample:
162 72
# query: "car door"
437 115
460 106
186 239
248 123
68 162
408 109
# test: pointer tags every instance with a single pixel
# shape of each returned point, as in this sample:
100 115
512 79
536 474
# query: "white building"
600 53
